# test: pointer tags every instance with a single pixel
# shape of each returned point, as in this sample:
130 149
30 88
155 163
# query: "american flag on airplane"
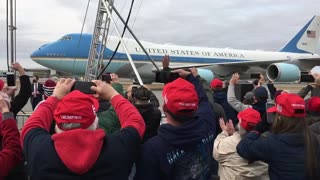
311 34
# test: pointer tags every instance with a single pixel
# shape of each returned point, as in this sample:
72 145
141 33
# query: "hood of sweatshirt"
188 134
79 149
220 96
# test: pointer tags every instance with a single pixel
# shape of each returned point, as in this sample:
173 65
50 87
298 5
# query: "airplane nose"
38 52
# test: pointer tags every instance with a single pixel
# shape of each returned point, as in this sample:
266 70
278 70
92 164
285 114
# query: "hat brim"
272 109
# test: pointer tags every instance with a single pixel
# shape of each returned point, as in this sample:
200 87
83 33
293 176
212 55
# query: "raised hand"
182 73
17 67
103 90
165 61
63 87
235 78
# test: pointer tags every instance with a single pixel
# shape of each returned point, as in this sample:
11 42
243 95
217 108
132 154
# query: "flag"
311 34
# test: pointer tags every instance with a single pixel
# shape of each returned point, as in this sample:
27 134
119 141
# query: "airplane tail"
307 38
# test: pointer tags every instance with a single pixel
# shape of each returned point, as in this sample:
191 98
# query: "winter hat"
289 105
260 92
1 84
76 107
249 118
216 83
180 97
48 88
314 104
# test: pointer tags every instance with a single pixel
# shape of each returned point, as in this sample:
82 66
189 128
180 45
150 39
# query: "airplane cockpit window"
66 38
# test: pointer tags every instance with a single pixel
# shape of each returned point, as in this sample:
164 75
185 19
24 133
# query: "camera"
166 76
84 87
11 79
106 77
306 78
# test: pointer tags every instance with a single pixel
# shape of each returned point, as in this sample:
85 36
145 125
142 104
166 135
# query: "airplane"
68 54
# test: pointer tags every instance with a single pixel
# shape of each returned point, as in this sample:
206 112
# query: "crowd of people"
207 133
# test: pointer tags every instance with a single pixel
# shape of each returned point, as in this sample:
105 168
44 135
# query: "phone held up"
11 79
84 87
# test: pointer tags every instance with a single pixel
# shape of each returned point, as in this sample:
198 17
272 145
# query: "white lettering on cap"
297 106
187 104
70 117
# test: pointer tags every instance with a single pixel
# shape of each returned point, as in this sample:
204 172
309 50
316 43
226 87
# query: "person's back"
220 97
79 150
182 149
290 148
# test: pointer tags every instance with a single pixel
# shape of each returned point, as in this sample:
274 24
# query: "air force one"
70 54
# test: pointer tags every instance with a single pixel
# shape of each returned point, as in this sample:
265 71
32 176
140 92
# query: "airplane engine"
283 72
206 74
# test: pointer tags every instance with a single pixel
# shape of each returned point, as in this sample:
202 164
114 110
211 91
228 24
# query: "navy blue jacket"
284 154
220 97
181 152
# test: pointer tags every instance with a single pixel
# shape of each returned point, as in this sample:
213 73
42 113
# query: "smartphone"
11 79
83 87
166 76
306 78
106 77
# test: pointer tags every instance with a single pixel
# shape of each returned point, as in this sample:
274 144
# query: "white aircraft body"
68 54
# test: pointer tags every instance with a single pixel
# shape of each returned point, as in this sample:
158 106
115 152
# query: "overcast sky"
239 24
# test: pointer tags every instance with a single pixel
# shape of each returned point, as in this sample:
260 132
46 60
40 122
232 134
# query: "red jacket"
11 152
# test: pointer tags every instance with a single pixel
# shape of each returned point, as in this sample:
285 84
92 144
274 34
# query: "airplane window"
66 38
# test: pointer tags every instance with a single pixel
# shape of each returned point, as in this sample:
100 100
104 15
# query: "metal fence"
21 119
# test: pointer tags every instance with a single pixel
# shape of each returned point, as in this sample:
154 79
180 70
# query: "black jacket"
152 118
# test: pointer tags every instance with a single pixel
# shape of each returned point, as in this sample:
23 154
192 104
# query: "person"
16 104
21 99
313 110
10 152
220 97
183 147
314 87
248 98
150 114
231 165
79 150
260 97
153 98
37 92
289 149
105 105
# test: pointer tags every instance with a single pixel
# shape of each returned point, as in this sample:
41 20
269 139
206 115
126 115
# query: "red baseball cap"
180 95
76 107
216 83
249 118
289 105
314 104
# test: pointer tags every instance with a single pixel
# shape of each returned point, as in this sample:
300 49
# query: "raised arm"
11 152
